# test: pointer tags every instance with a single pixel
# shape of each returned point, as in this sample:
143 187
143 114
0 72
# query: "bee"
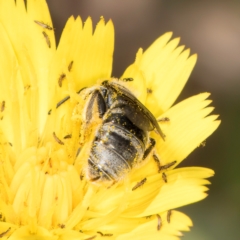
122 141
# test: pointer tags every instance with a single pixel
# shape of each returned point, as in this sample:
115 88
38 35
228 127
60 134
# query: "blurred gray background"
210 28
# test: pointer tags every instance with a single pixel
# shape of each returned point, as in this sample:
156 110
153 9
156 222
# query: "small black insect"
149 90
127 79
4 233
122 140
105 234
159 225
67 136
139 184
61 78
70 66
47 39
43 25
164 167
3 106
156 159
90 238
61 225
59 141
164 177
26 88
63 101
169 213
163 120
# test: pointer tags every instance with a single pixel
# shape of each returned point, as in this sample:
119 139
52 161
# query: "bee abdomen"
118 118
107 162
114 152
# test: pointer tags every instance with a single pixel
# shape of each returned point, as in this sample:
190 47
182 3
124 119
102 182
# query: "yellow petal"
91 53
45 193
26 233
39 13
90 58
189 126
166 69
168 231
138 85
26 86
184 184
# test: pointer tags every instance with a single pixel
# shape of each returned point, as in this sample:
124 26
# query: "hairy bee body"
122 140
117 148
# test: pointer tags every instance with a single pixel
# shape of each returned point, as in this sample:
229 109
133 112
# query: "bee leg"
96 95
101 105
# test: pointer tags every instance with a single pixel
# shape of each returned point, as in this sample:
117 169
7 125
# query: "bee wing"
123 91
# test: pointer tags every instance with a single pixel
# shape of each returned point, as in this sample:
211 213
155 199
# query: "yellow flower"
44 192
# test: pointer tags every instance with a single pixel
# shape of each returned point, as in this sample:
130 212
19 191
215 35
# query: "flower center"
43 187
